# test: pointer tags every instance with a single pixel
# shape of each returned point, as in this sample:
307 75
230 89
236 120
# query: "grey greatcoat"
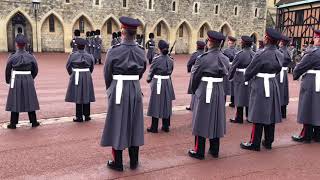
160 105
83 93
209 119
264 110
151 45
22 97
284 87
73 44
124 122
97 48
114 41
228 85
309 99
241 90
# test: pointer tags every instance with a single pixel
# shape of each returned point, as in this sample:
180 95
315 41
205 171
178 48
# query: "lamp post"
36 7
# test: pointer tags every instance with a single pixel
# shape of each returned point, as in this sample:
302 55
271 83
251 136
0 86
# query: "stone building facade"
183 21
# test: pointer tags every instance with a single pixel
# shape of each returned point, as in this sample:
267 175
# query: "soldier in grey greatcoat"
230 52
88 45
92 34
191 62
209 116
241 87
151 45
21 70
73 44
309 98
293 54
265 107
119 38
97 47
283 76
125 65
80 91
162 92
114 39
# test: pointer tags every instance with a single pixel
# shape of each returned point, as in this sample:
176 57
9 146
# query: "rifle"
172 47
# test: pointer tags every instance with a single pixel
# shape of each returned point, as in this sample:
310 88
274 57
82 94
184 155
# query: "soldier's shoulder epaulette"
239 52
141 47
202 55
157 56
115 46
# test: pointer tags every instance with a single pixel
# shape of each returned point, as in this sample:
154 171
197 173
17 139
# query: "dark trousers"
284 111
200 145
155 122
133 154
232 100
98 61
82 110
308 132
256 134
239 113
14 119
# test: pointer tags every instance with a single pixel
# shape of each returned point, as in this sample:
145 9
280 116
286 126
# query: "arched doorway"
18 23
108 28
83 24
226 30
202 33
161 31
183 35
52 35
254 37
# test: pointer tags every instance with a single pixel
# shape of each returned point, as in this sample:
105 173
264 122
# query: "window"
51 23
196 8
67 1
216 9
150 4
236 11
109 26
81 24
159 29
97 2
202 32
181 31
256 12
124 3
299 17
174 6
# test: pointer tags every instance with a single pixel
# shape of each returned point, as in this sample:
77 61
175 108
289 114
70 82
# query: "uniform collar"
128 42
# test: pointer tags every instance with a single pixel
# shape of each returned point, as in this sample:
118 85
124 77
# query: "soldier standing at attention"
125 65
114 39
88 45
191 62
283 76
21 70
265 107
73 41
309 99
80 65
209 116
241 87
230 52
162 92
151 45
92 43
119 38
97 49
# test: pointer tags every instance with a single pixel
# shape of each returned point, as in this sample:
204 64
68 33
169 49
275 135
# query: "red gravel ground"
72 151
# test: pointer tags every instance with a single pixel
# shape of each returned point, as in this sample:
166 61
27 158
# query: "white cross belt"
13 76
159 82
77 74
266 82
210 81
119 87
282 73
317 78
243 71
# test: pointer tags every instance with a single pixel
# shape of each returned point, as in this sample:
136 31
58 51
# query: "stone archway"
183 35
52 34
254 36
110 25
18 22
226 30
202 33
83 24
161 31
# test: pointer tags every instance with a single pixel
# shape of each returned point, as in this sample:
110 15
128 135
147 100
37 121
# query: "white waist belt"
230 63
13 76
159 81
282 73
210 81
77 71
317 79
243 71
266 82
119 87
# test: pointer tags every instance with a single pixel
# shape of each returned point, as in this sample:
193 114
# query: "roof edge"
296 3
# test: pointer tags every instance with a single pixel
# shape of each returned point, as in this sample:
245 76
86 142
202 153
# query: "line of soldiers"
263 75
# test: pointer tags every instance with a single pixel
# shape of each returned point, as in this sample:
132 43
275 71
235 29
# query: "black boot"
239 116
116 164
79 113
232 102
199 150
154 125
86 112
305 135
284 112
134 157
268 136
33 119
316 133
214 147
254 144
165 125
13 120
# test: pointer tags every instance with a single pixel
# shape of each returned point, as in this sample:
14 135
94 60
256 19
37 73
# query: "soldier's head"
285 41
81 43
163 47
76 32
232 41
151 36
201 45
272 37
98 32
93 33
21 42
19 30
246 41
119 34
129 27
215 39
316 37
114 35
88 34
